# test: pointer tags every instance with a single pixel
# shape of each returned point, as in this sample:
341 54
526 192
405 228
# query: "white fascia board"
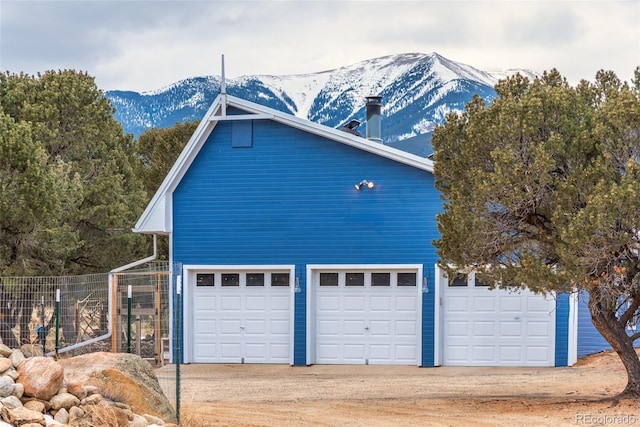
156 218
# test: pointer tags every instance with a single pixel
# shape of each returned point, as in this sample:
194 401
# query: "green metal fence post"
177 335
43 334
129 319
57 320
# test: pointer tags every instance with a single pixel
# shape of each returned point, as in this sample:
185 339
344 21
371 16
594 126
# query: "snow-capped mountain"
418 91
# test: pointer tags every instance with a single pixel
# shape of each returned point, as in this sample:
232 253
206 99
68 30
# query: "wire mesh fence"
127 311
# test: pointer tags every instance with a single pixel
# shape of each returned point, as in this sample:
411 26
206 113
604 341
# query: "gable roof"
156 218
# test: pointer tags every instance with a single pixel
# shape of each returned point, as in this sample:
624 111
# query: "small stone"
4 364
16 357
94 399
75 414
35 405
10 402
63 400
11 373
62 416
5 351
6 386
78 390
51 422
18 390
22 415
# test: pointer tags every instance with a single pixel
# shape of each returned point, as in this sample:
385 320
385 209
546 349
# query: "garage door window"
328 279
406 279
380 279
355 279
255 279
459 279
231 279
205 280
279 279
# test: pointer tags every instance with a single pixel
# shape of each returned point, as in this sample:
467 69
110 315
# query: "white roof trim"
157 218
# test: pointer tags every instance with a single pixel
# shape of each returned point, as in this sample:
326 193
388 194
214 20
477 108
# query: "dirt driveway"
350 396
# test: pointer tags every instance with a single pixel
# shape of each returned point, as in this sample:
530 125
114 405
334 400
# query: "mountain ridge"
418 91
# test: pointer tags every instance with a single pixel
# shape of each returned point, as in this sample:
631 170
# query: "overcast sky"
144 45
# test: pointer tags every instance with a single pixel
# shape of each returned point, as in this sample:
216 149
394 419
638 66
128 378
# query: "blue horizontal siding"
589 339
562 330
290 199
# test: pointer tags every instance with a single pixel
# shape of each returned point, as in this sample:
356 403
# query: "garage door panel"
457 328
230 350
406 304
354 304
538 329
380 304
206 327
406 328
458 304
231 303
484 305
230 326
205 304
538 305
512 304
328 303
457 353
256 303
380 328
234 324
484 353
484 329
499 328
328 327
510 329
365 324
354 352
354 328
510 354
255 327
280 303
537 354
379 352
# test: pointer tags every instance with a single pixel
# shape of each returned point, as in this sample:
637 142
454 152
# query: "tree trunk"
606 322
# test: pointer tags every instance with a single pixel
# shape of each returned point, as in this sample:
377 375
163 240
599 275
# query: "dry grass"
190 417
101 416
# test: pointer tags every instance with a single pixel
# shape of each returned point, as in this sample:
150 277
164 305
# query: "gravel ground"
350 396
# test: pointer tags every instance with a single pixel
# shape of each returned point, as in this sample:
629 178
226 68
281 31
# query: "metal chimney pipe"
374 118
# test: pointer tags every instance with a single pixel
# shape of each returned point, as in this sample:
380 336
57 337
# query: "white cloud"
144 45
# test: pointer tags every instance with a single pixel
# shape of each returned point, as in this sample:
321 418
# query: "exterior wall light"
364 182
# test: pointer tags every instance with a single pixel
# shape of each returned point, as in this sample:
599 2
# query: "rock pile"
102 389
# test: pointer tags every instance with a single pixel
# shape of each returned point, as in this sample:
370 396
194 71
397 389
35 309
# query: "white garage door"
485 327
241 317
367 317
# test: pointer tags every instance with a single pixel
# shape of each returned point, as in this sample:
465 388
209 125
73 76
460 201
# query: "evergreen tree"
541 190
89 193
157 151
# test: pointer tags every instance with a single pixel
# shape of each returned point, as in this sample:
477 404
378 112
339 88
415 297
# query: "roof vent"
351 127
374 118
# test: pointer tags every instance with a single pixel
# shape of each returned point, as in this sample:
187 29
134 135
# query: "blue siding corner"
300 319
428 319
562 330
